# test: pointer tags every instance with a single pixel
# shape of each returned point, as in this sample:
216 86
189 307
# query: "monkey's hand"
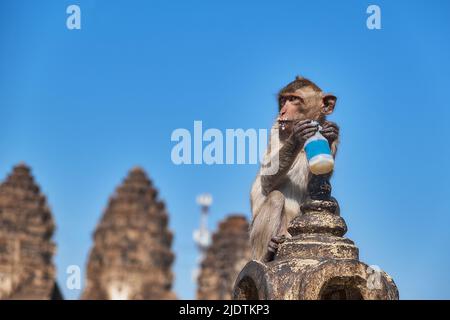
330 131
302 131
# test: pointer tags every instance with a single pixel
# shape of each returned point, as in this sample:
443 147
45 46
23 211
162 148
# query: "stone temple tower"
226 256
317 263
26 247
131 257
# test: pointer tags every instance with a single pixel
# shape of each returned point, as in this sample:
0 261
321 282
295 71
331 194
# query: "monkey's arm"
285 157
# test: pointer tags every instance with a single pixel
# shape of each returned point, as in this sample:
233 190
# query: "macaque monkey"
276 198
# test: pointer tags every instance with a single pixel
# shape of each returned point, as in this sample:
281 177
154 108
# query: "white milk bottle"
318 153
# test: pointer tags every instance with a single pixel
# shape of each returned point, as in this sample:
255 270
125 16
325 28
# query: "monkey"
276 198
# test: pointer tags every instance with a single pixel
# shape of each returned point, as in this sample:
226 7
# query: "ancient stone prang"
131 257
226 256
27 270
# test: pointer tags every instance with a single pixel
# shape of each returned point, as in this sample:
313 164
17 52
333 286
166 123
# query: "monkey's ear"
329 102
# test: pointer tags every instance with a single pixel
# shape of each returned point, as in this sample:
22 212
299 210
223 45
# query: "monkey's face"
304 104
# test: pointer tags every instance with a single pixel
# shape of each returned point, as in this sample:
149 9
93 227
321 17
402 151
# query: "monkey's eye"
294 99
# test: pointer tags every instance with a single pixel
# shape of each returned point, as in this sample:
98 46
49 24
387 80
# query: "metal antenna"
202 236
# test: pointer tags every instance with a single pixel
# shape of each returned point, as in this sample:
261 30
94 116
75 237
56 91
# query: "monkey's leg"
272 248
269 225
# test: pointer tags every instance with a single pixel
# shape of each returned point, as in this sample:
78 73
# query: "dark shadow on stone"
341 289
56 293
246 290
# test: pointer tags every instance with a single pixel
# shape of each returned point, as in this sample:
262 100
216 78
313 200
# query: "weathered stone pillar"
317 263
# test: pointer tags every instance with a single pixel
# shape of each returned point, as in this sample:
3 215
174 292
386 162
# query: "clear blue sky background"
83 107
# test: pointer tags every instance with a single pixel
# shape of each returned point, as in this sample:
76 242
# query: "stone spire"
226 256
26 248
131 257
317 263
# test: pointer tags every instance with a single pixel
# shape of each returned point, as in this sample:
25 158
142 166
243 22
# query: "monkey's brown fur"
276 199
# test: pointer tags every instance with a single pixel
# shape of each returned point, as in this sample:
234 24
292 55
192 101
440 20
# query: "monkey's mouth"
285 123
284 120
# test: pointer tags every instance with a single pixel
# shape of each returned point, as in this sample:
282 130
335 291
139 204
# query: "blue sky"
82 107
